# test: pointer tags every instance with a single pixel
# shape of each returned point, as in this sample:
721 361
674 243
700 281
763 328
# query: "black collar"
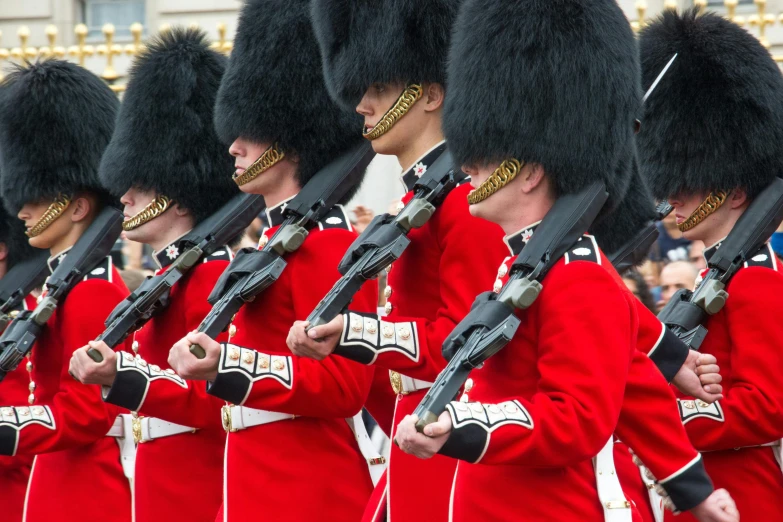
55 261
274 215
709 252
165 256
412 175
517 241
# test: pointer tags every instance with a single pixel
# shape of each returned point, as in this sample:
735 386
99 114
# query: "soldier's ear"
434 95
738 198
82 208
3 252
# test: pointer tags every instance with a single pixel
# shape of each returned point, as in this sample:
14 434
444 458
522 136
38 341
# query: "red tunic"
308 468
745 339
547 403
167 474
77 474
432 286
15 471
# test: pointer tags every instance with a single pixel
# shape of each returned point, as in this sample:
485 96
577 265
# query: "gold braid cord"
55 210
264 162
507 171
409 96
156 207
708 206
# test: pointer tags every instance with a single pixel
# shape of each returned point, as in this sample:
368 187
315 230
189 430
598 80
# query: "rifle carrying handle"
197 351
95 355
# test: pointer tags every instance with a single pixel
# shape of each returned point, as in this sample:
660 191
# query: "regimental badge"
419 169
172 252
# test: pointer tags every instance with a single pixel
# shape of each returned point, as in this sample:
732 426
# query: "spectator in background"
363 217
696 255
674 276
671 246
637 285
651 271
777 242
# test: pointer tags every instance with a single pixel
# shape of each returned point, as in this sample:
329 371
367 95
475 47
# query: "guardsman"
165 154
14 471
387 61
712 140
290 453
56 122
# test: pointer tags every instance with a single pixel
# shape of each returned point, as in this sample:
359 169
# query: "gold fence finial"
110 50
731 12
701 5
81 50
222 45
136 30
164 28
23 52
52 50
670 4
762 20
641 10
3 57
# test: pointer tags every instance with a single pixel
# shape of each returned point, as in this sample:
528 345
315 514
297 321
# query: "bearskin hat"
165 139
56 121
561 89
273 89
368 41
631 215
715 121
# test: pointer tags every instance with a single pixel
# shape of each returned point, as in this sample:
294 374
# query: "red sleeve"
750 413
465 270
78 415
334 387
585 327
161 393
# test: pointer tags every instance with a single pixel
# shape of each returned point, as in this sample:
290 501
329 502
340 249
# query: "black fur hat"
716 119
273 89
632 214
561 89
368 41
56 121
165 139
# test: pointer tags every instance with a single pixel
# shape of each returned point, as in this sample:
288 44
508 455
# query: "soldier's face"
378 99
135 200
246 152
684 205
54 233
478 175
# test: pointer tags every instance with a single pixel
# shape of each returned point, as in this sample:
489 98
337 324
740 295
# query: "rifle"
94 245
687 310
385 239
253 271
18 282
636 249
491 322
153 295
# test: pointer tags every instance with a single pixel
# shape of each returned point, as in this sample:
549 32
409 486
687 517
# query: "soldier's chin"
481 210
40 241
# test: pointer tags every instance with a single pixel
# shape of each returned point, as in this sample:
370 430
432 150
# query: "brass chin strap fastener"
156 207
710 205
265 161
55 210
409 96
507 171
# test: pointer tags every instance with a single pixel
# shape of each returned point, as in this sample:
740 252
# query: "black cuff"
127 391
231 387
240 367
466 443
8 439
670 354
690 487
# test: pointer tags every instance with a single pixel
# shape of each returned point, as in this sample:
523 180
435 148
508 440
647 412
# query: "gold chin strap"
507 171
409 96
155 208
55 210
708 206
264 162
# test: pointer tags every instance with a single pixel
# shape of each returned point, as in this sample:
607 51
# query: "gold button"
356 324
278 365
31 387
503 270
263 241
154 367
233 355
248 358
388 331
388 308
689 405
170 371
128 357
372 327
135 346
232 330
510 408
38 410
396 381
263 362
142 363
7 412
498 285
387 292
468 385
30 399
23 412
29 366
405 333
701 404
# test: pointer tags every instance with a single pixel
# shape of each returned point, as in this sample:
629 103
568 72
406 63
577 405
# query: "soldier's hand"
699 377
87 371
424 445
718 507
187 365
317 343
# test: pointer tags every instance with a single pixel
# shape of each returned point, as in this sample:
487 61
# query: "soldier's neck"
428 138
525 215
173 231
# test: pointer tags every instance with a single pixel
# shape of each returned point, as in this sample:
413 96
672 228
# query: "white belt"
122 431
656 501
375 461
402 384
237 418
610 493
151 428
